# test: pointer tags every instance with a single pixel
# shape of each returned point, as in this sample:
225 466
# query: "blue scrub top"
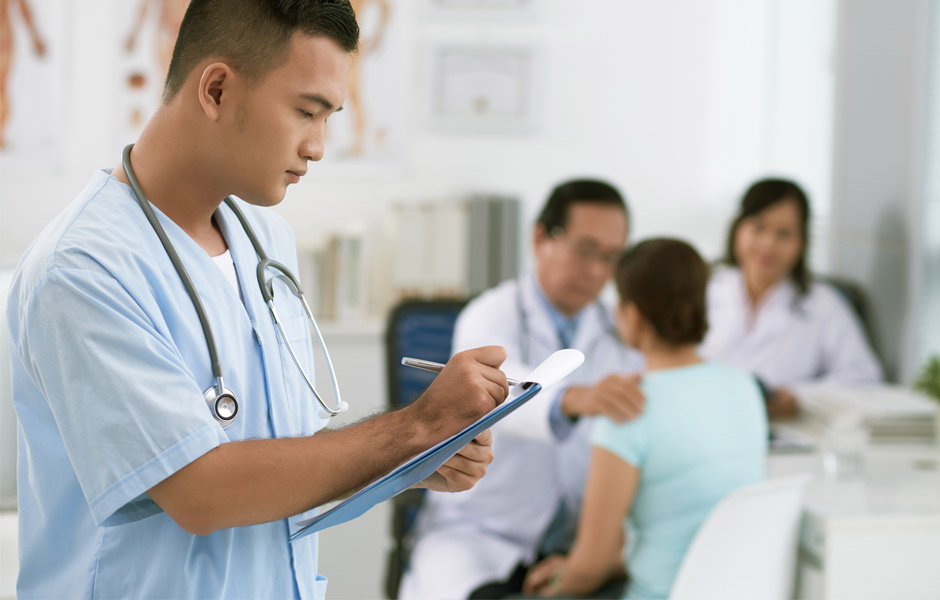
109 366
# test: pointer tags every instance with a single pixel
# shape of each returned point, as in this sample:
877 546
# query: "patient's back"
703 435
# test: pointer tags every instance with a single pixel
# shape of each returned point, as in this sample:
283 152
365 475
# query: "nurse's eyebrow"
318 99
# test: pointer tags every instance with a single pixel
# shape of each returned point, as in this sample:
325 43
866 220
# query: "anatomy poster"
370 131
143 42
32 80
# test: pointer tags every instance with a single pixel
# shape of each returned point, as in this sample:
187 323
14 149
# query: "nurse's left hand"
463 469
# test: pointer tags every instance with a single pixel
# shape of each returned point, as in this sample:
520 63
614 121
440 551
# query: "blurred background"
462 115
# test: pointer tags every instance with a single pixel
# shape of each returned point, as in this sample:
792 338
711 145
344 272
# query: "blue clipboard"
423 465
417 469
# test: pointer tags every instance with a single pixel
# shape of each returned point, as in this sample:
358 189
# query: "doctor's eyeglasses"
587 251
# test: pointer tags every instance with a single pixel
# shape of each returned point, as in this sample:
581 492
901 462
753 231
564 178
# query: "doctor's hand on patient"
617 397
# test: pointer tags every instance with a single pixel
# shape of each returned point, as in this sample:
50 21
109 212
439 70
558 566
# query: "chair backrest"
854 294
746 548
419 329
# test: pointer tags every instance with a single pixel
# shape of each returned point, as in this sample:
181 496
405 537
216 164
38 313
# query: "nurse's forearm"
250 482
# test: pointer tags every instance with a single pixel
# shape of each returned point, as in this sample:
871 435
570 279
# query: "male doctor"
480 542
128 485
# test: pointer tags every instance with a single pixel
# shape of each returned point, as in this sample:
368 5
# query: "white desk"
874 537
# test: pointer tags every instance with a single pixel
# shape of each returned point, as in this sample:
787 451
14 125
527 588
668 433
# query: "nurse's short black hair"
253 35
554 215
666 280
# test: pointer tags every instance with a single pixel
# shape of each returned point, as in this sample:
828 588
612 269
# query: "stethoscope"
609 327
221 400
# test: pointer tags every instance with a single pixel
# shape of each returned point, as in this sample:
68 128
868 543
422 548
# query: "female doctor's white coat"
478 536
790 339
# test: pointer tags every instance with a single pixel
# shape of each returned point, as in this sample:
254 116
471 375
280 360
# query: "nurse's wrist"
416 430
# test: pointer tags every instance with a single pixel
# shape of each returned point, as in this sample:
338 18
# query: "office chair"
854 294
746 548
419 329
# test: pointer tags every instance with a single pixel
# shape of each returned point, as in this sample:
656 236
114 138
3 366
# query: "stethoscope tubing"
267 293
524 331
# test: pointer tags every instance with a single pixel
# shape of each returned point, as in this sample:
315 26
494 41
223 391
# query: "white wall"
680 102
879 199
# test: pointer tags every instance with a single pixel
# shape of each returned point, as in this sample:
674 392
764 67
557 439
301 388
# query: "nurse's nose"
312 148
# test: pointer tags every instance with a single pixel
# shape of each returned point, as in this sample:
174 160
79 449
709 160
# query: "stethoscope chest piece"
221 401
224 406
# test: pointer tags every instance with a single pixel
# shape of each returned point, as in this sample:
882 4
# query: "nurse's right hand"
470 385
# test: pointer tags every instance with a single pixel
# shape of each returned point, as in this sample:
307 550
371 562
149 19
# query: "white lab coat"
478 536
790 340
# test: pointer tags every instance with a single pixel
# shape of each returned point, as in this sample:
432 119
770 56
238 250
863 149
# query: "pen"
428 365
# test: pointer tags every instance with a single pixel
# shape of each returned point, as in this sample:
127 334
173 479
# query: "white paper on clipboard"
555 368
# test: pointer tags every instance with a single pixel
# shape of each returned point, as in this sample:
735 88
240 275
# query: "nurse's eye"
305 114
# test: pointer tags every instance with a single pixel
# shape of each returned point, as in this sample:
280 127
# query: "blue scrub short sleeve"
629 441
126 406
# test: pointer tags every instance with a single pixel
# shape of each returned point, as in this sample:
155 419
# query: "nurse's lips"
296 175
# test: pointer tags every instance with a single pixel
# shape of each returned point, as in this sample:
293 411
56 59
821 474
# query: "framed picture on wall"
483 9
483 88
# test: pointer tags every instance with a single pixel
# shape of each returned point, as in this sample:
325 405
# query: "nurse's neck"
175 180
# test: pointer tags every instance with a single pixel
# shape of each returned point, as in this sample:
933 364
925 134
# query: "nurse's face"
769 244
278 123
574 266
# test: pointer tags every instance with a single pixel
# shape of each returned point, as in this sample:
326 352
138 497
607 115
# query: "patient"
703 435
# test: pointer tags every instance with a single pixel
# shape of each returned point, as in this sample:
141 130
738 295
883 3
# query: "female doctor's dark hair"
554 215
762 195
666 280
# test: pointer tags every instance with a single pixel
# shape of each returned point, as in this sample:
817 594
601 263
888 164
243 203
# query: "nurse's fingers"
469 386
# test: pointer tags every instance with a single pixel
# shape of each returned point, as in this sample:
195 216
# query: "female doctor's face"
277 126
768 244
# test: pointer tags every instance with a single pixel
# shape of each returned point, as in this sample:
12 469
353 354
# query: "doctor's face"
278 124
574 265
768 244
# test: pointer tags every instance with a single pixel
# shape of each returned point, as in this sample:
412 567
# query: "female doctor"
528 502
767 316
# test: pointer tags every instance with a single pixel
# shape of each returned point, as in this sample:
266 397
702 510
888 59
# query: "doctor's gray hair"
554 215
253 36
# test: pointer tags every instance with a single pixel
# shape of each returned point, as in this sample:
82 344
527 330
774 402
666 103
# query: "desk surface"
870 537
897 480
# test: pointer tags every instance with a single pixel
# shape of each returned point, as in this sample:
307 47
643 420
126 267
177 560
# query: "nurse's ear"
216 85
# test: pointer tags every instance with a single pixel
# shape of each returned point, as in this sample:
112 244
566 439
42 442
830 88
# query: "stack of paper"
890 413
